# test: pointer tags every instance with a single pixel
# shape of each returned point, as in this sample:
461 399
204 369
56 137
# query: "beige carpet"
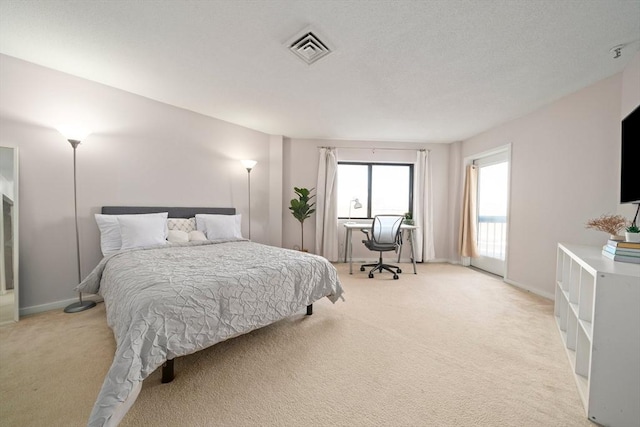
447 347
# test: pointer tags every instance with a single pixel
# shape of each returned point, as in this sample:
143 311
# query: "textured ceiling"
434 71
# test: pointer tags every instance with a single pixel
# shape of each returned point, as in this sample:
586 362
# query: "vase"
616 238
631 237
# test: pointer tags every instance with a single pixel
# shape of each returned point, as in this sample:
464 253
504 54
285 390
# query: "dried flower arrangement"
611 224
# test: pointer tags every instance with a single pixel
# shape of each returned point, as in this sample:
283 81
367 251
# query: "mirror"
9 309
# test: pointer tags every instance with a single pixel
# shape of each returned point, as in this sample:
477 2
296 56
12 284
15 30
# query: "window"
381 188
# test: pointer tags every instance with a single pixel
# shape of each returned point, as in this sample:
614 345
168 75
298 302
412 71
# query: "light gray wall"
275 195
141 152
301 170
564 171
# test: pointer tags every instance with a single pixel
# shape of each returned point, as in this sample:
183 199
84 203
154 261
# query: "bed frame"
174 212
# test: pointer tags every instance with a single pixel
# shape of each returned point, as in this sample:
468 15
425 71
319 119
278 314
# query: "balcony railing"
492 236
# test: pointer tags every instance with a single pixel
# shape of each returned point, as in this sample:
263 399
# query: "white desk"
348 246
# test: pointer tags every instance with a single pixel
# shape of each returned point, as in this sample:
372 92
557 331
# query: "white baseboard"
402 261
530 289
439 260
35 309
372 260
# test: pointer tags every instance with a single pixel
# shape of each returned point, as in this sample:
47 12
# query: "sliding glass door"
492 208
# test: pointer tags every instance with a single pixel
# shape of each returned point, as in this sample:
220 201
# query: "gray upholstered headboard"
174 212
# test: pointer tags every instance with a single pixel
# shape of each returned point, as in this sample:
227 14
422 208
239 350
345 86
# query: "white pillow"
178 236
138 231
110 239
220 227
197 236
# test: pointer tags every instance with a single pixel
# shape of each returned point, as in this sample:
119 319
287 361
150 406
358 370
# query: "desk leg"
350 244
413 257
346 244
401 245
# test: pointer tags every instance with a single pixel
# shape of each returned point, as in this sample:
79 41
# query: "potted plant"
611 224
301 209
408 218
632 233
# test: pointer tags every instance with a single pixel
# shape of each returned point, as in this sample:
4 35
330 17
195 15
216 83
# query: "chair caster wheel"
370 275
395 277
361 268
399 271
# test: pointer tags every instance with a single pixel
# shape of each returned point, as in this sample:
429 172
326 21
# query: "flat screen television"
630 162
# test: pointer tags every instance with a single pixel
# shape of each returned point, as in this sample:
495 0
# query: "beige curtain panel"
468 233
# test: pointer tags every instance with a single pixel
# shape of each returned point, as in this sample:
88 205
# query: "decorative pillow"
197 236
182 224
178 236
110 238
220 227
138 231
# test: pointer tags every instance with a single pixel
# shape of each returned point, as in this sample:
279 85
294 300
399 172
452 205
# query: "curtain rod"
374 148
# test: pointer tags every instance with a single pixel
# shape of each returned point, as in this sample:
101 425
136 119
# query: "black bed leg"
309 309
167 371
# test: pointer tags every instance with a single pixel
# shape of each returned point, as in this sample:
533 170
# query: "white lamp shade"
249 164
74 132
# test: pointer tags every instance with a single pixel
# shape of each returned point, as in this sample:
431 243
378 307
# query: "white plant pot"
632 237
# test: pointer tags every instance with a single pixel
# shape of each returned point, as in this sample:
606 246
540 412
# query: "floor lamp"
249 164
74 136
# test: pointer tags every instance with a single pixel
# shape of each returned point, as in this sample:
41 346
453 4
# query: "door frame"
468 160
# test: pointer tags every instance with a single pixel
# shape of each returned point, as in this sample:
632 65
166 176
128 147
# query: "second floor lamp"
249 164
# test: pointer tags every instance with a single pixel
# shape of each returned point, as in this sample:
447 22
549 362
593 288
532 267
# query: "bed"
164 301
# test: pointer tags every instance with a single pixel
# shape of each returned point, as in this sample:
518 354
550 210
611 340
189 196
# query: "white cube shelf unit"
597 308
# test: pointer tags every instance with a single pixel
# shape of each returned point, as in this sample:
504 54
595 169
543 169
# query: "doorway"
492 212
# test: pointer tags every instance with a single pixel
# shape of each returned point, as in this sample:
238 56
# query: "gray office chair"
385 237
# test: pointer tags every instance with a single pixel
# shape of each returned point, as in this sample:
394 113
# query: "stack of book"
622 251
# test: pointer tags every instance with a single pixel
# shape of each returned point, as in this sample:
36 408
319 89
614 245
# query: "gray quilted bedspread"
175 300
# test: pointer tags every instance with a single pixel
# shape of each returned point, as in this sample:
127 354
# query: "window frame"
370 166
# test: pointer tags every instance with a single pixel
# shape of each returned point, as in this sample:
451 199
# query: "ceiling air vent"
309 48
